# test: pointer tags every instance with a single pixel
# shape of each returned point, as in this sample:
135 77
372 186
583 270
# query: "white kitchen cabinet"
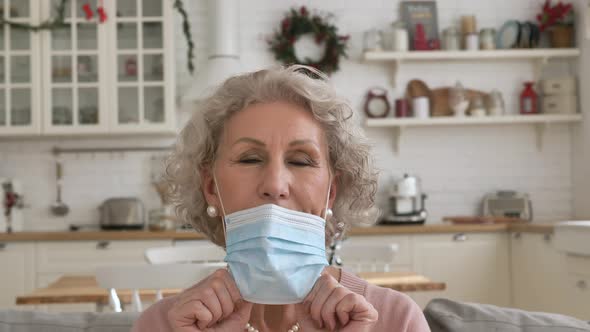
141 61
20 88
75 79
474 266
577 286
538 274
89 77
18 273
83 257
577 295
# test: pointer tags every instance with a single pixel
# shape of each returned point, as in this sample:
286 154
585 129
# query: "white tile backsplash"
458 165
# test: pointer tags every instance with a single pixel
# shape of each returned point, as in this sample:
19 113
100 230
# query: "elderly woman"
271 168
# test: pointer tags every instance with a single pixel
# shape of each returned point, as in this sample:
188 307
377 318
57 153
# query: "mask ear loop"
222 208
328 196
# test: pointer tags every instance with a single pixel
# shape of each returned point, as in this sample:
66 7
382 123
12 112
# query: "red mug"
401 108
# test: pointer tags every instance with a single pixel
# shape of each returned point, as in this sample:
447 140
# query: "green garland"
186 29
59 22
297 23
50 24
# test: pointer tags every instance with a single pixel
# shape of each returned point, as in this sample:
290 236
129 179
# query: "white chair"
204 253
372 257
153 277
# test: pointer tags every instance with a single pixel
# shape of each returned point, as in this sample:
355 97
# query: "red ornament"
131 67
102 14
88 11
528 100
285 24
303 11
552 15
434 44
10 200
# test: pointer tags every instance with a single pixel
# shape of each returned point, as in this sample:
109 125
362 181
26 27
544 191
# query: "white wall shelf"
509 54
540 122
540 55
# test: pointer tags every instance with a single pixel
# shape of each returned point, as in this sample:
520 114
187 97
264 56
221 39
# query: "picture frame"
420 12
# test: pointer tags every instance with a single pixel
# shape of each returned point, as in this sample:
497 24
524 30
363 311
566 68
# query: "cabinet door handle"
547 237
2 245
460 237
517 235
103 245
581 284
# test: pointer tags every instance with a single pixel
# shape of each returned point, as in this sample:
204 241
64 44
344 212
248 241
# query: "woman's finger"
231 286
185 315
225 299
321 295
238 319
209 298
357 308
328 311
311 295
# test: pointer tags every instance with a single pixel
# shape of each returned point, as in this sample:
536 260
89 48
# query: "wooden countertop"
191 235
82 289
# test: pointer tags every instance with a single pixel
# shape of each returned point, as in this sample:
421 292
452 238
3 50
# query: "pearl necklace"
251 328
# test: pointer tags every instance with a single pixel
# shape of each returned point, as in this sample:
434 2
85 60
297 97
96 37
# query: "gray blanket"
445 316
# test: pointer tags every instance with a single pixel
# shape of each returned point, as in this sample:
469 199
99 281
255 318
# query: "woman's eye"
250 160
300 163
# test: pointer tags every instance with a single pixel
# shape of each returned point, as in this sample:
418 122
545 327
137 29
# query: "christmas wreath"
299 22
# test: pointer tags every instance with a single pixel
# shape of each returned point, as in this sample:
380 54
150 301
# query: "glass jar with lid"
487 39
373 40
495 103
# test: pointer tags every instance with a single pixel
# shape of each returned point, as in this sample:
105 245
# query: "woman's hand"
331 306
213 305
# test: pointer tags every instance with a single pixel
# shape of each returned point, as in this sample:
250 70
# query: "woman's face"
271 153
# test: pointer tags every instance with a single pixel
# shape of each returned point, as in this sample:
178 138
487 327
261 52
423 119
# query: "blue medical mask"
275 255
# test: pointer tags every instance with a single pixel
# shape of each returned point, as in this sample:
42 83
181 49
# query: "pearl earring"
329 213
211 211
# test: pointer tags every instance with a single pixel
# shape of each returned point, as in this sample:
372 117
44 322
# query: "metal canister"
451 39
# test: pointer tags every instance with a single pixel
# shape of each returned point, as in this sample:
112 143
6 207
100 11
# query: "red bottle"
420 42
528 99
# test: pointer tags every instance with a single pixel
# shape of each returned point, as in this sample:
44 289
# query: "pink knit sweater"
397 311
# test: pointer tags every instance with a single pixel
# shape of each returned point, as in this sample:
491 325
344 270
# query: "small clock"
376 103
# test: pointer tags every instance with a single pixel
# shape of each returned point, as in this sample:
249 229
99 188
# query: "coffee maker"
406 203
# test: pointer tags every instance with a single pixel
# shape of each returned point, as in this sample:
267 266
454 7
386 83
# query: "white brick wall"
458 165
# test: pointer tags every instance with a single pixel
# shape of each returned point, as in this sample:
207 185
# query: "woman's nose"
274 183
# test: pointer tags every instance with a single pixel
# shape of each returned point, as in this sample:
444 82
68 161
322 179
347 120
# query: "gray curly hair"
349 156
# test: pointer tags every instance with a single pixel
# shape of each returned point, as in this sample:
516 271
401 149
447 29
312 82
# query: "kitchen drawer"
565 104
85 256
559 86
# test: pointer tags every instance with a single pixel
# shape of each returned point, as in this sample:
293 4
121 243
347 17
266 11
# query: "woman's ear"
209 188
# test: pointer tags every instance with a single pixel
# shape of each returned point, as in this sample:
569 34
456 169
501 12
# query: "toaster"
122 213
507 203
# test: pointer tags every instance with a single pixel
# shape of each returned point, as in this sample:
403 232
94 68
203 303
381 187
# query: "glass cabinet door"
140 57
19 78
73 79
